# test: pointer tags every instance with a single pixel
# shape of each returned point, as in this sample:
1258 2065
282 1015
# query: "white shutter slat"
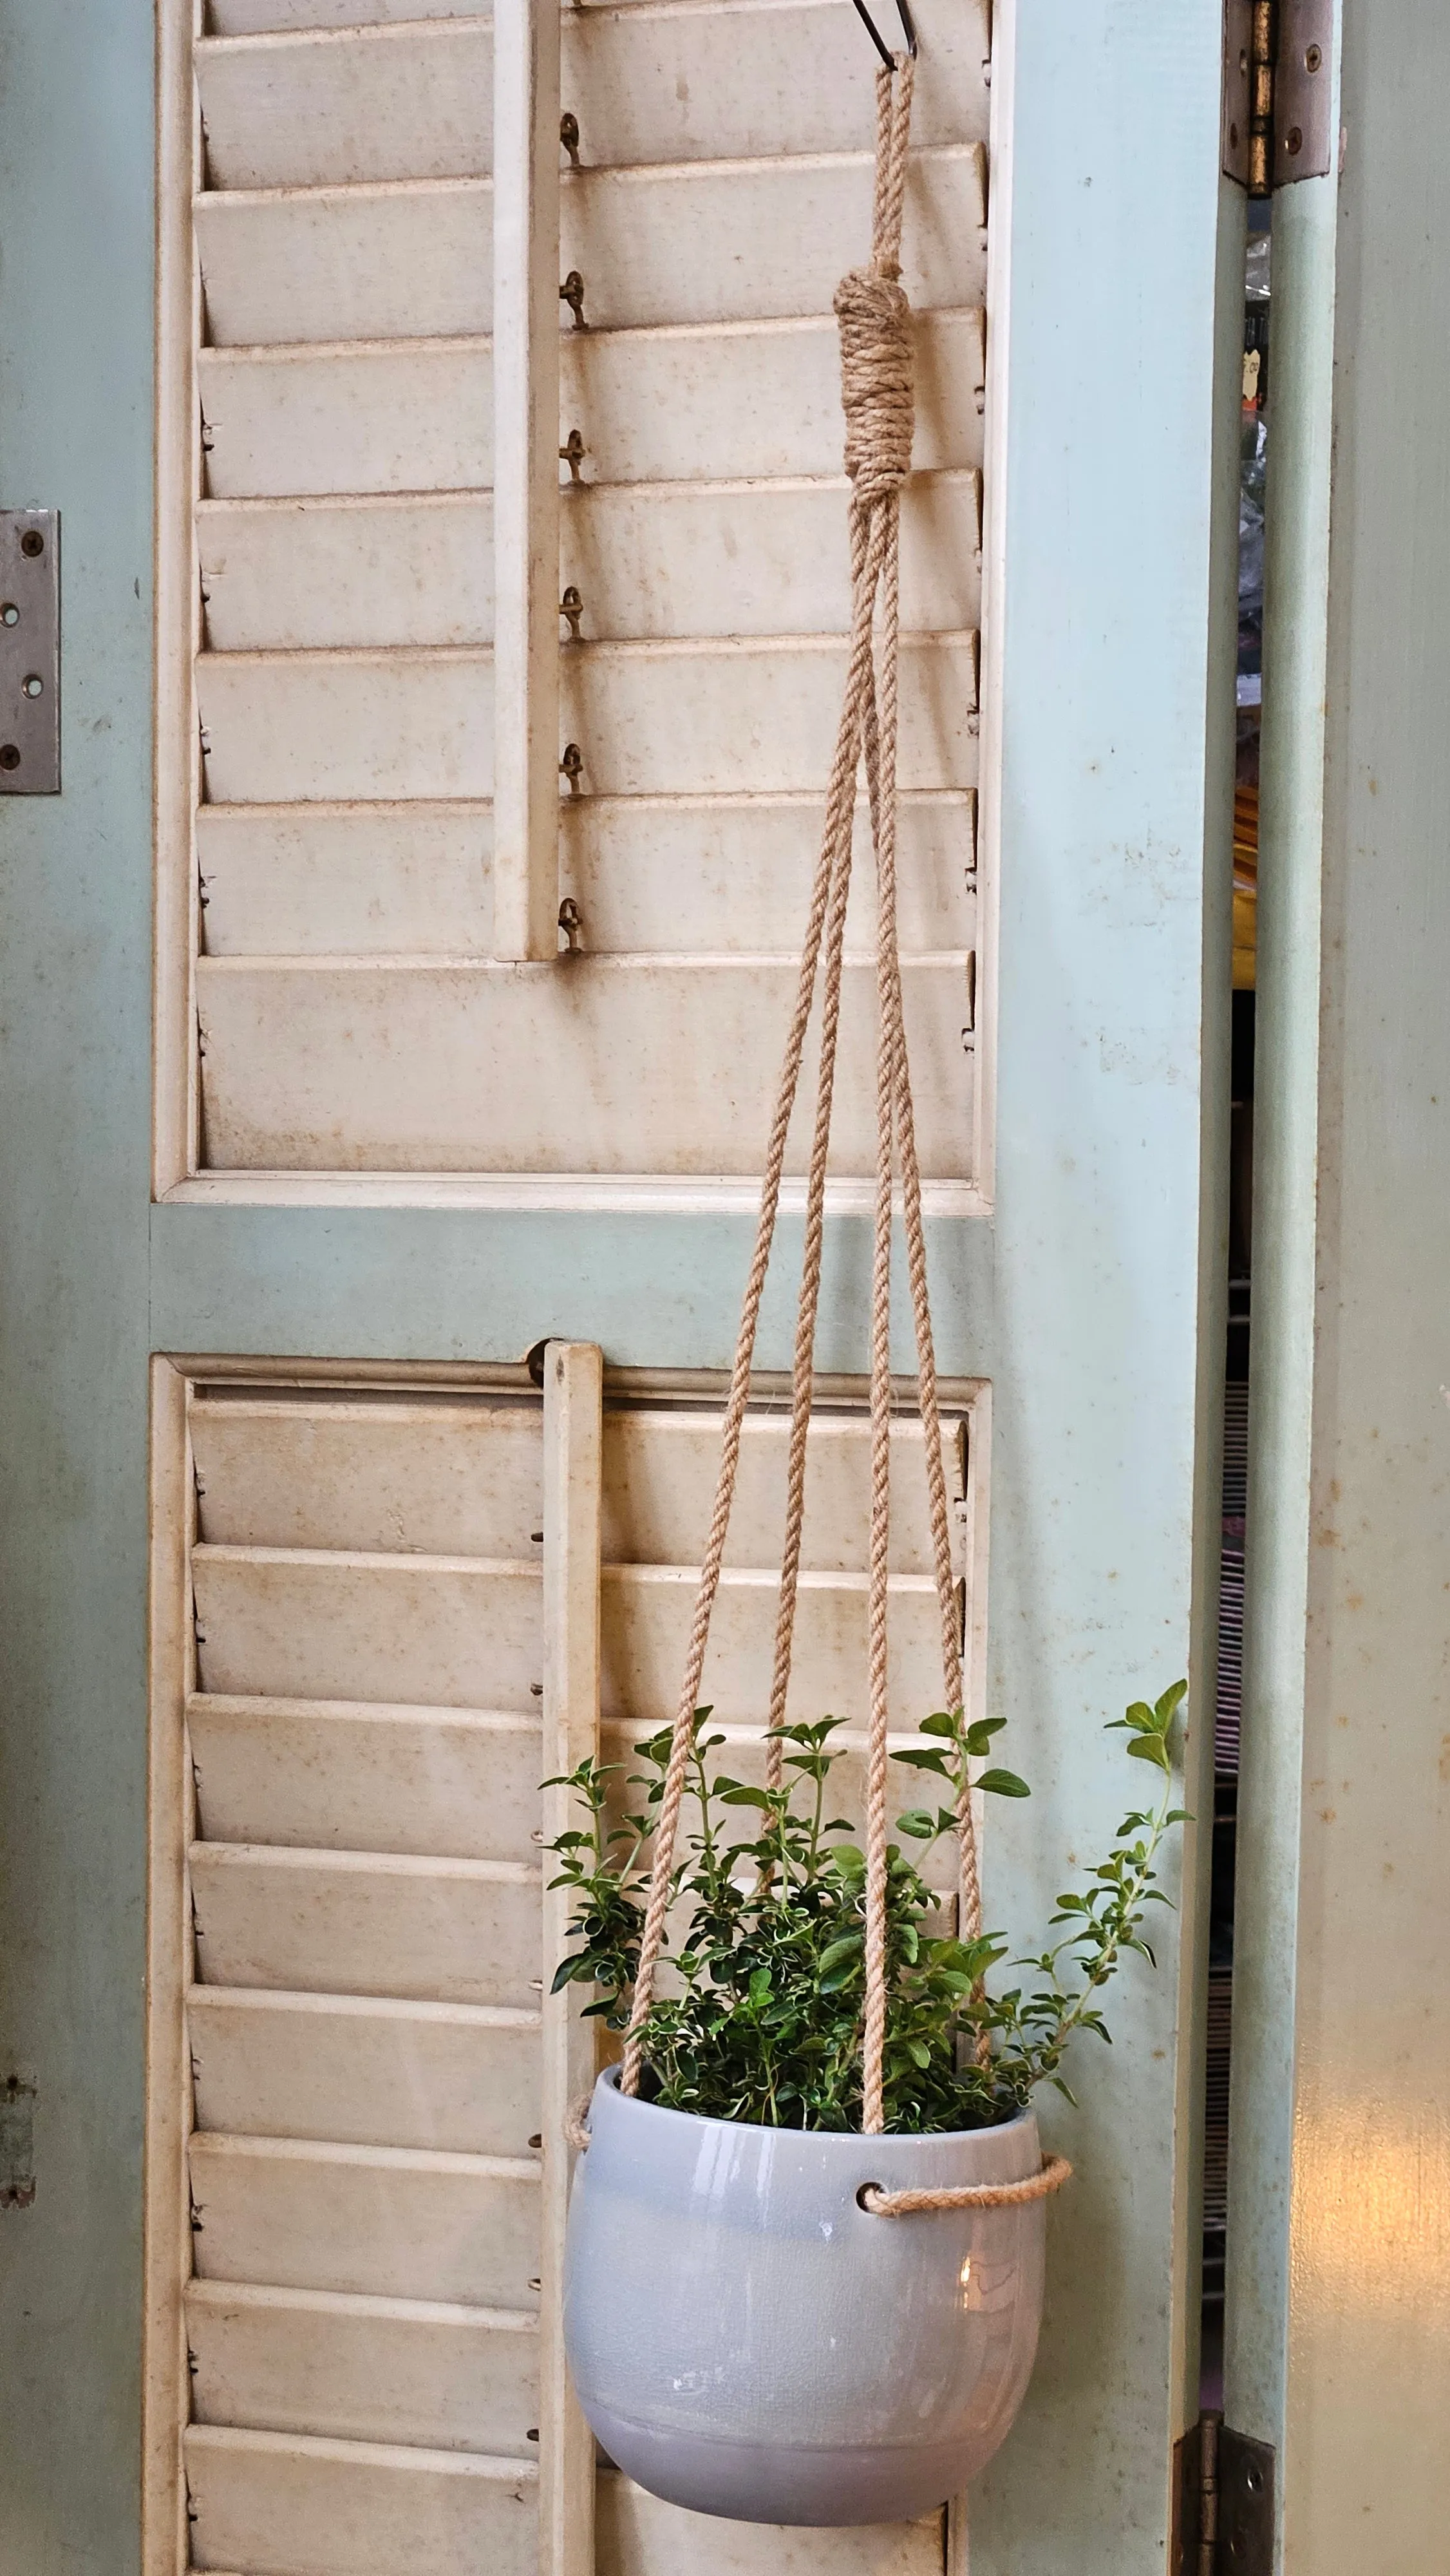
762 558
646 1613
723 876
665 404
446 1632
302 573
437 2374
659 1490
639 2536
299 880
309 105
385 2222
344 1922
333 1776
409 259
266 17
365 2071
651 718
277 2503
333 1065
313 108
664 83
460 1478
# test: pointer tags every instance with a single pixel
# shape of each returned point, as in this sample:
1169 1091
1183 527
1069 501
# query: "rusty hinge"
1223 2503
1276 92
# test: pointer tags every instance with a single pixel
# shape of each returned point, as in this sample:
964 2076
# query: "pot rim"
822 2137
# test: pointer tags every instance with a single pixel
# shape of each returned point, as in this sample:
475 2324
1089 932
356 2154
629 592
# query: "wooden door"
286 2294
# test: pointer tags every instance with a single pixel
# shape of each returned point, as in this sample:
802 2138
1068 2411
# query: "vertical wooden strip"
573 1431
526 479
165 2382
176 1126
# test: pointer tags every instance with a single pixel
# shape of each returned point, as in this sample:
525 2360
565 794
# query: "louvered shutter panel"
375 2081
364 2022
351 1015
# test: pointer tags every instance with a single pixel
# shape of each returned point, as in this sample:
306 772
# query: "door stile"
573 1482
526 480
171 1810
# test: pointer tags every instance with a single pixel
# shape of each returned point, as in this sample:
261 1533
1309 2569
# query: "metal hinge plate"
1276 92
1303 143
29 653
1223 2503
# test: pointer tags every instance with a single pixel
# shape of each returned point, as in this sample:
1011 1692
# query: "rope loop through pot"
877 396
1053 2173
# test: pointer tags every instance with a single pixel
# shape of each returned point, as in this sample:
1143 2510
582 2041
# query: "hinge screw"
572 294
569 135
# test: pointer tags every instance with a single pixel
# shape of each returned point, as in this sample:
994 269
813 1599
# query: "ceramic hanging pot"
747 2340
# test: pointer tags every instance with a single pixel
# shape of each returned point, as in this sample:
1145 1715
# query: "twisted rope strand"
863 585
840 799
877 385
1055 2171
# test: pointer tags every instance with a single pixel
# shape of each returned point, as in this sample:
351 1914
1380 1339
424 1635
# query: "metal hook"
908 29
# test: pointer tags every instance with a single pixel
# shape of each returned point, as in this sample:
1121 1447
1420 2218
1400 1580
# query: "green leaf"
1004 1784
737 1796
919 1823
1150 1748
1165 1708
923 1761
939 1724
849 1947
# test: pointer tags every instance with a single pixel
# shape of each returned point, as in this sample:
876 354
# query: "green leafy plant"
764 2019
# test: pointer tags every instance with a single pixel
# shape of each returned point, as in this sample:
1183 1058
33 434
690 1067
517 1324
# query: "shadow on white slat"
668 404
412 258
365 2071
639 2536
444 2376
366 1923
340 1775
661 875
659 1489
274 2503
327 103
458 1479
445 1632
608 1066
649 560
385 2222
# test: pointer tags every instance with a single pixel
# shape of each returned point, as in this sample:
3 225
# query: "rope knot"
878 380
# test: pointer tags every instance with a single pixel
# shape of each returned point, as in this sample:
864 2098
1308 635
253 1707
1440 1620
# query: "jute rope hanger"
877 394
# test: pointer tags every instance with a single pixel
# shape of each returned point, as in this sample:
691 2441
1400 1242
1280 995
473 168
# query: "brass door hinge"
1276 92
1223 2503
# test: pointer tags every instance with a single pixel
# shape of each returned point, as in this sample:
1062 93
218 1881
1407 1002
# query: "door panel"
372 2243
343 529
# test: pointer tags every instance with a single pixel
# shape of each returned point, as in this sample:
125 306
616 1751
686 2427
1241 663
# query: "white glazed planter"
747 2340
